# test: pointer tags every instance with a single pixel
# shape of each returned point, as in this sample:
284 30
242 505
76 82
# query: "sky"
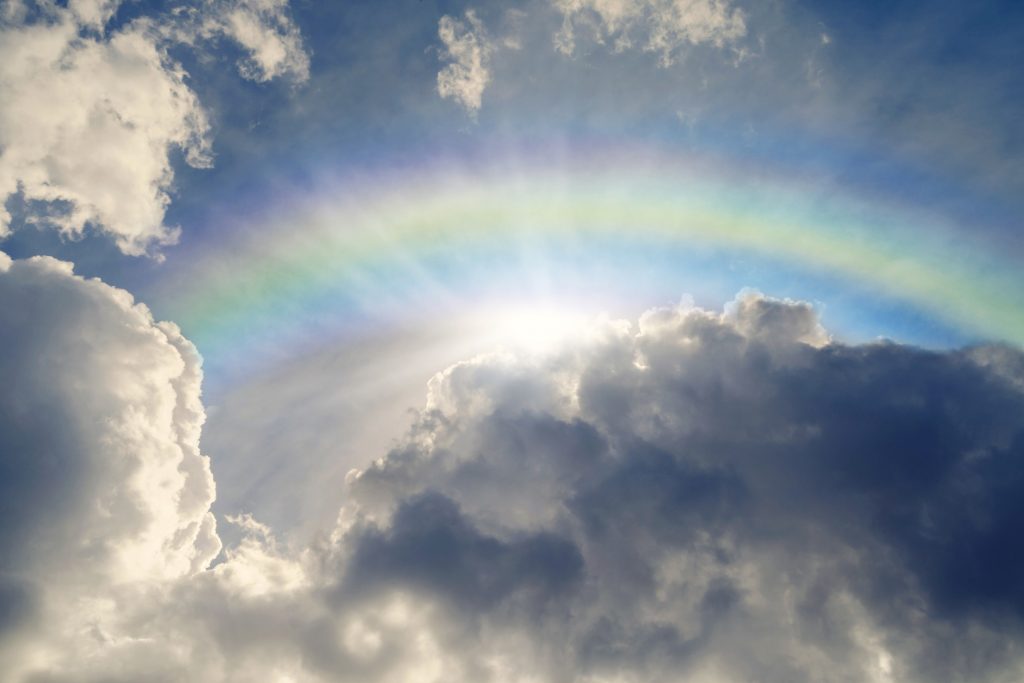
603 341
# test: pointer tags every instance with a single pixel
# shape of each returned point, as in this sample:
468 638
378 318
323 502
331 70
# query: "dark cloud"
431 547
748 497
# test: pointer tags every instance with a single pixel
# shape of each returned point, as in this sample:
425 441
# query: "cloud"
748 499
102 483
429 545
659 26
87 125
718 496
89 118
468 47
264 30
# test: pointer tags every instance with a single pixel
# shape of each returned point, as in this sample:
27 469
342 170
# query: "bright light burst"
532 327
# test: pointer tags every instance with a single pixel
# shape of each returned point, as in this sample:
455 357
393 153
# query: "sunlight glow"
534 328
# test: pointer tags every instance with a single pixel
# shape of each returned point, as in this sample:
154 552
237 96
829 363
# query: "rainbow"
358 252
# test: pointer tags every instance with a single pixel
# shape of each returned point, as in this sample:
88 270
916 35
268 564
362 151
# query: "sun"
531 327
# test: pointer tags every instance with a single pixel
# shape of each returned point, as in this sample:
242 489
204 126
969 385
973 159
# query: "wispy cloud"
264 29
468 48
658 26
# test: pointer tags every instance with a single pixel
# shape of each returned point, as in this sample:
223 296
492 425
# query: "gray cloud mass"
699 496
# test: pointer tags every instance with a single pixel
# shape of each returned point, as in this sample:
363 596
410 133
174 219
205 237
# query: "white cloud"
107 416
265 30
468 47
88 119
93 13
659 26
103 487
87 125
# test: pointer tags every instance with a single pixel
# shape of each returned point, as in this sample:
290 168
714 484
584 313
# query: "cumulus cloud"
102 484
468 48
87 125
716 496
747 499
89 117
659 26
